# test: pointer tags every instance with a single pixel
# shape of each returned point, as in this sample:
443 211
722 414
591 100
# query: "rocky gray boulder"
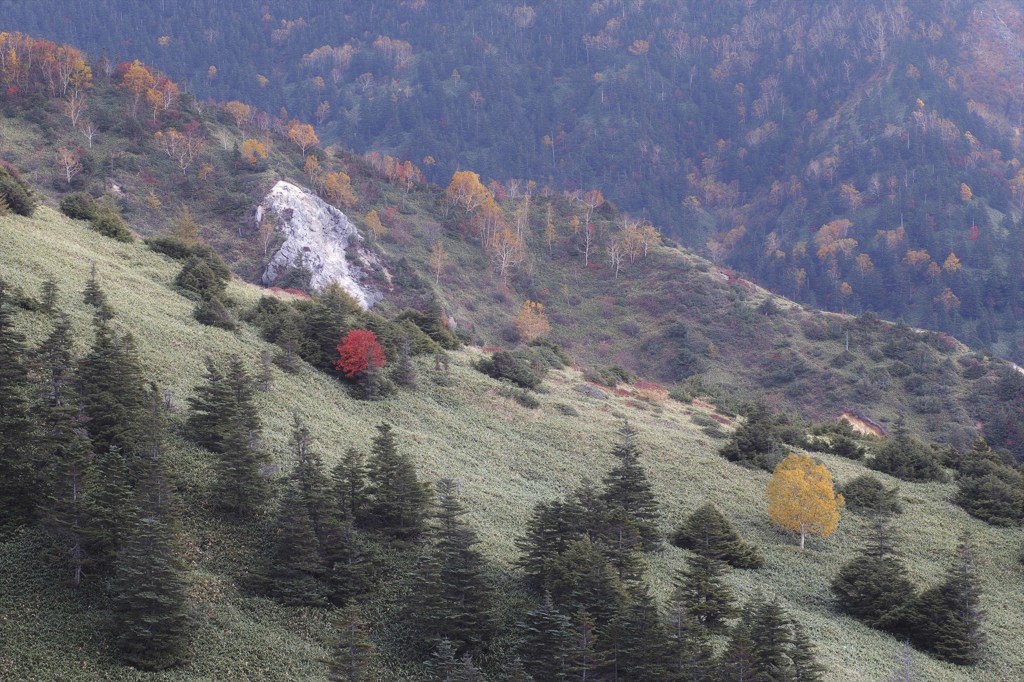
322 238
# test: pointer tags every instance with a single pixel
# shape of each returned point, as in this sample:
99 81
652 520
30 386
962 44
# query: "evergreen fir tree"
352 659
689 645
93 294
350 565
626 486
874 586
587 662
64 450
348 479
398 501
546 642
152 624
581 579
17 470
109 507
48 295
550 530
708 532
455 598
639 642
804 656
404 374
772 638
738 662
621 543
701 591
112 391
298 567
946 620
224 420
443 666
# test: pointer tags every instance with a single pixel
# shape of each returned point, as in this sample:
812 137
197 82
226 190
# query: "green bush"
867 493
169 246
15 192
213 313
992 491
107 222
199 278
78 206
521 367
907 459
520 395
610 376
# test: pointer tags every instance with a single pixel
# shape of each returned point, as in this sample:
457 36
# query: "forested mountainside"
856 156
201 478
617 297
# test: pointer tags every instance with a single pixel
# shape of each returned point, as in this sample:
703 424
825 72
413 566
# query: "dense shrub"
610 376
760 442
867 493
107 222
992 491
520 395
15 192
907 459
199 278
79 206
169 246
521 367
213 313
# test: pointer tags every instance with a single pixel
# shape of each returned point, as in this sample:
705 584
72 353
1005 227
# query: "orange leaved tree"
801 497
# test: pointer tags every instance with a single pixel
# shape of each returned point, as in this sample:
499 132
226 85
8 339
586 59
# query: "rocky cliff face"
323 239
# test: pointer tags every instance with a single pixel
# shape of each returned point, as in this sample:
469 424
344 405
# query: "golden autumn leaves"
801 497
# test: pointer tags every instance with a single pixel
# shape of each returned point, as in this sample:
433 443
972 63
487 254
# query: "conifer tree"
946 620
348 478
636 638
689 645
17 470
626 486
550 530
352 659
152 624
224 420
109 507
455 599
581 579
772 639
546 642
350 564
701 591
64 449
112 391
398 501
404 374
708 532
874 586
804 656
297 568
48 295
93 293
587 661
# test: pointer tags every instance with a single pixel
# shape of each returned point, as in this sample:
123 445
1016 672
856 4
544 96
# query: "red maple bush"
358 352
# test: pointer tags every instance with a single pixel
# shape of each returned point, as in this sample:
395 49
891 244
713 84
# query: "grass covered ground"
506 457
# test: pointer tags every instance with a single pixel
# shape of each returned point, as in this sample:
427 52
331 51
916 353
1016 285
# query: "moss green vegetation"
505 457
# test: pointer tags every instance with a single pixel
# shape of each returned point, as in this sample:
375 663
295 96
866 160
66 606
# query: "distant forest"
740 129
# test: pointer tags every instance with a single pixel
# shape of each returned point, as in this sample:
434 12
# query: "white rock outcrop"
323 237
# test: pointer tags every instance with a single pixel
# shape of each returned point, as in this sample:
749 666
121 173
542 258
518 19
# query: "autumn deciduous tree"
466 190
303 135
338 190
531 322
358 353
136 79
438 259
801 497
253 152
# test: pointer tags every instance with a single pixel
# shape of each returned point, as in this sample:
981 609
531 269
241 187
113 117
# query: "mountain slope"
505 456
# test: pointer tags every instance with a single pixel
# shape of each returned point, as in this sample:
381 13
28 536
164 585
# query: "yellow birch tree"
801 497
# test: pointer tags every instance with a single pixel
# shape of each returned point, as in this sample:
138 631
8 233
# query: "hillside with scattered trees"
562 446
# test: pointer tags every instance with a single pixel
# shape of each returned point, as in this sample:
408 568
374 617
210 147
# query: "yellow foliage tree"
801 497
952 263
338 190
438 259
253 152
531 322
466 190
238 111
373 224
303 135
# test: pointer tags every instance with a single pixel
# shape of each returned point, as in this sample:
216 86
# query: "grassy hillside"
505 456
